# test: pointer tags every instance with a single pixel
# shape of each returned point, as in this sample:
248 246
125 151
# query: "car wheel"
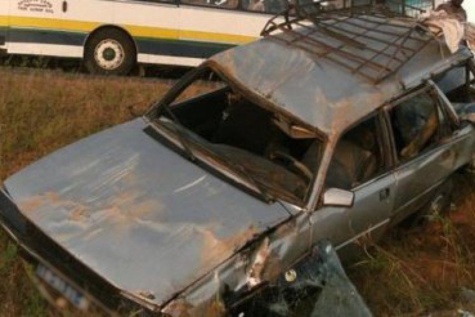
110 52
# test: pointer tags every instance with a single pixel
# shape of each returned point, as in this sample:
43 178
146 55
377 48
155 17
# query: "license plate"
64 288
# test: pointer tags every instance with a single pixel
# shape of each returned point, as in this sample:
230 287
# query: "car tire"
110 52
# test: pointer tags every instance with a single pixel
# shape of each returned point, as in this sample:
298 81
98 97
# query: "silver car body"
171 235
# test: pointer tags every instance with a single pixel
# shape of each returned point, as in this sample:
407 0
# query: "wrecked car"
333 130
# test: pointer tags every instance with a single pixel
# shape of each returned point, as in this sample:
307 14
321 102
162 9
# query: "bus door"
33 25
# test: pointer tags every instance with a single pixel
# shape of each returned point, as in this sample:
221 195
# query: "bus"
112 36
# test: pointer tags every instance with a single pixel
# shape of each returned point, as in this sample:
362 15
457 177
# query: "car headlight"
11 218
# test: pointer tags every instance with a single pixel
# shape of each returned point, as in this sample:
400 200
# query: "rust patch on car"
33 203
216 249
128 206
258 265
79 213
211 308
122 208
273 267
266 266
178 308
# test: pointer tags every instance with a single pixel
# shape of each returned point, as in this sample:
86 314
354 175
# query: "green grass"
409 272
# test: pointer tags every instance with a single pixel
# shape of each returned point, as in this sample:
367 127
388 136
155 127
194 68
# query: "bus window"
227 4
170 1
266 6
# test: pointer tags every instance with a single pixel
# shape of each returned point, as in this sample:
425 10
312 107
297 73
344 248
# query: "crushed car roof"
336 70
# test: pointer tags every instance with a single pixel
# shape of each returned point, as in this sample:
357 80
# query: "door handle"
384 194
65 6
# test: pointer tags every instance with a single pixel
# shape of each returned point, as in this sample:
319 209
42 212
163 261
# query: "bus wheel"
110 52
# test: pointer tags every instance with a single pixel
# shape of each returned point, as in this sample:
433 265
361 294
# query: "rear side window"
418 124
457 84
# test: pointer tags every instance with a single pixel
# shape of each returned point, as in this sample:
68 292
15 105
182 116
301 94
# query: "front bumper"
62 279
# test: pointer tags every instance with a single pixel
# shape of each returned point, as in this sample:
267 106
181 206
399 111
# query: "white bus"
111 36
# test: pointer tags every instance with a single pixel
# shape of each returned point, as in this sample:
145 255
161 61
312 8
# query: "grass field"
410 273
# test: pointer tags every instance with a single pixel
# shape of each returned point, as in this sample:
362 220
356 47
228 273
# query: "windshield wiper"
182 134
184 140
245 172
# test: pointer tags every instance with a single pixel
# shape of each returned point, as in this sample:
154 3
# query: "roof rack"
367 40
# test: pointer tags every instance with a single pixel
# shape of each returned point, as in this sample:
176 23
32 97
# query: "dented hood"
137 213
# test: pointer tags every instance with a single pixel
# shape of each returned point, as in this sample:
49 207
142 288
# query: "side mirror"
338 197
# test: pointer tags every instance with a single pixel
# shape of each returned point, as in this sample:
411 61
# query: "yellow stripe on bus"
3 21
217 37
134 30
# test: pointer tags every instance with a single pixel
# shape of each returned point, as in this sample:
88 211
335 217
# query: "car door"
423 142
359 164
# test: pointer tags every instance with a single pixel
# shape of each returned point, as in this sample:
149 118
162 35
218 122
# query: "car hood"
137 213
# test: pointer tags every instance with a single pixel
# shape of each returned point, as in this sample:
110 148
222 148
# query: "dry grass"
409 273
423 270
41 111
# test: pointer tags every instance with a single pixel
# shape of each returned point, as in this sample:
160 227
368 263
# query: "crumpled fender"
315 286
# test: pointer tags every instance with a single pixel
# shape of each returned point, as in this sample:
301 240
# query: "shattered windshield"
275 156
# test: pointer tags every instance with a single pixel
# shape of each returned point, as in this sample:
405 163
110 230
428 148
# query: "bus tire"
110 52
